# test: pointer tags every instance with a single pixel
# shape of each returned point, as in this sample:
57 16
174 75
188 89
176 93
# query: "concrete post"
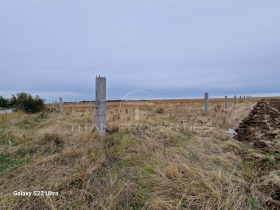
60 105
100 105
235 99
137 114
206 102
240 99
226 104
55 105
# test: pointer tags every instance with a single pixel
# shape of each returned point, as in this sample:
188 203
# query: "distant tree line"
24 102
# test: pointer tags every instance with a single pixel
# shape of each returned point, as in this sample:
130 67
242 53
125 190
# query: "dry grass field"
155 155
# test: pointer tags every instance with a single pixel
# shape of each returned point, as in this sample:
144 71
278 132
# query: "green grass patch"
250 171
8 161
149 170
188 135
115 145
140 197
182 138
192 156
270 158
245 148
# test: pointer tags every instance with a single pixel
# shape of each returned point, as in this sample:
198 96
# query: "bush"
26 103
4 103
160 110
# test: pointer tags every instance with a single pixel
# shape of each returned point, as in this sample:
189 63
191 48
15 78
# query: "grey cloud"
169 48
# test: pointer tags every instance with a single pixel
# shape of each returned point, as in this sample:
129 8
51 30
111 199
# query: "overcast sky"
168 48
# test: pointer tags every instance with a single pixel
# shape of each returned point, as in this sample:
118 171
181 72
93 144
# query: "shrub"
160 110
4 103
26 103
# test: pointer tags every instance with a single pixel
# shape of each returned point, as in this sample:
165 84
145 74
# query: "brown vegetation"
155 155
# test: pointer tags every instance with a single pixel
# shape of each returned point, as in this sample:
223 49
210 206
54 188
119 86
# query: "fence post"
226 104
206 102
60 105
240 99
100 105
235 99
137 114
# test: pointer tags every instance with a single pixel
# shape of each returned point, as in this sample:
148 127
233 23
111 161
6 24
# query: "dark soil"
261 129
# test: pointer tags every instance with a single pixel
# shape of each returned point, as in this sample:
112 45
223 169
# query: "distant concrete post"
100 105
55 105
137 114
235 99
206 102
226 104
240 99
60 105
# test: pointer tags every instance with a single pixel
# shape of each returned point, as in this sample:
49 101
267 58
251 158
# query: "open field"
156 155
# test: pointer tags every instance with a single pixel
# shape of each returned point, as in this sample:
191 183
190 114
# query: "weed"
217 161
245 148
115 145
149 170
188 135
250 171
192 156
159 110
140 197
269 158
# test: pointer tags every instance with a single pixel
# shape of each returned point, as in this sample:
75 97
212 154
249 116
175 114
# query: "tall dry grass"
159 155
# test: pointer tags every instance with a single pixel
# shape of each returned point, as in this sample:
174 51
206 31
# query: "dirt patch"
262 126
261 129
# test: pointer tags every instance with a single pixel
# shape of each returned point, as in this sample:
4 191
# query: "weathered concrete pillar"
240 99
100 105
55 105
60 105
226 104
206 102
235 99
137 114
